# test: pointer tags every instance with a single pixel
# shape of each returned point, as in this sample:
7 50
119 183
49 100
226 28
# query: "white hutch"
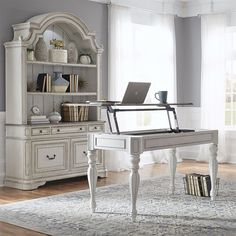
36 154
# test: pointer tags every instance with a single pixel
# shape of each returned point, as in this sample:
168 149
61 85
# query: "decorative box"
58 55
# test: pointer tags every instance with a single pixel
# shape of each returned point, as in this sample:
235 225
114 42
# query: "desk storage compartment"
50 157
40 131
69 129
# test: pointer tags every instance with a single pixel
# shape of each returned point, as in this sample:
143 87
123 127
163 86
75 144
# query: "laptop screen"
136 92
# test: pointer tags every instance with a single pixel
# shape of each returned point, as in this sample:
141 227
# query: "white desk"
134 145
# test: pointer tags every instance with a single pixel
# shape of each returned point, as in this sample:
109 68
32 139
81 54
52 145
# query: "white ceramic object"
72 53
85 59
54 117
58 55
59 84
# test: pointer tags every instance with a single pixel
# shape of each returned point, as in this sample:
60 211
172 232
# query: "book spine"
44 84
185 185
208 183
205 186
189 184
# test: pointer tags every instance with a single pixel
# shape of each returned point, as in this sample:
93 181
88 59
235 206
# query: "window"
230 98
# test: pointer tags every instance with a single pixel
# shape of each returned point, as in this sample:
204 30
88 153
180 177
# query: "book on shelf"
44 82
41 119
73 80
72 112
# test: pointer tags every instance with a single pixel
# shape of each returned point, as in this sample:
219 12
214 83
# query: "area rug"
159 212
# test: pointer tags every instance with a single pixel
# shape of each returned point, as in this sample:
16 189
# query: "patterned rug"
159 213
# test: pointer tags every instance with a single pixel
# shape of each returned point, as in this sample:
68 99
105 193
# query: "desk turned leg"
92 178
172 166
134 183
213 169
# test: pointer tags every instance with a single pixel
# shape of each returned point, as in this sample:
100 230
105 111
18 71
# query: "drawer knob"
51 158
40 131
58 130
80 129
95 127
85 153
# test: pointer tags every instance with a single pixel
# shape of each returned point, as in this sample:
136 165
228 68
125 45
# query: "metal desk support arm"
165 107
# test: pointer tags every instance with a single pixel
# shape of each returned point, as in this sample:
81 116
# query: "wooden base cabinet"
36 155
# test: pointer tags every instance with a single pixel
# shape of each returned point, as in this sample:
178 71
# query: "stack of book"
41 119
44 82
198 185
72 112
73 79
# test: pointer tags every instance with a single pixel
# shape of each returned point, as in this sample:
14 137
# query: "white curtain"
213 80
141 48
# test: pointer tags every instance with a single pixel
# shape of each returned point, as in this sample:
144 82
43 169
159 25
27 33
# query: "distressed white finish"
134 182
92 177
172 166
134 145
213 169
47 152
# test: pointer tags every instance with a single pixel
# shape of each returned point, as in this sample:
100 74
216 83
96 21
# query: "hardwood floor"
10 195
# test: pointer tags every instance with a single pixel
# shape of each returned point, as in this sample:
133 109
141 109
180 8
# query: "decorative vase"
85 59
30 55
58 55
54 117
41 50
59 84
72 53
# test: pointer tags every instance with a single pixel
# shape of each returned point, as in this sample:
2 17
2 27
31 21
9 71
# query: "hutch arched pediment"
32 29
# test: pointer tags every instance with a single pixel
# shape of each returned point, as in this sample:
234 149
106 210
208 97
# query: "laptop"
135 93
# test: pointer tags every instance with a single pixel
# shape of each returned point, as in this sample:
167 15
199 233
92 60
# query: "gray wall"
94 15
188 59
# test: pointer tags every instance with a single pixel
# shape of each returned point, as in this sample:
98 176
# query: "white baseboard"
2 147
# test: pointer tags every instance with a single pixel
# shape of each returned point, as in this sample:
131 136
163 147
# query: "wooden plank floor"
9 195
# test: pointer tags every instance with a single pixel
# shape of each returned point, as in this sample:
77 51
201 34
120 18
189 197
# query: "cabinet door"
79 153
50 157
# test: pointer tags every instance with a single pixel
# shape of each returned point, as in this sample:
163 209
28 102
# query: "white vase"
41 50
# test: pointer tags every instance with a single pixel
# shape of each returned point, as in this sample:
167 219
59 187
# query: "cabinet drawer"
40 131
69 130
49 157
95 128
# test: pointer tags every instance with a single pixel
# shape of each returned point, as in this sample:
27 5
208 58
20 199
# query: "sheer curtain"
141 48
213 80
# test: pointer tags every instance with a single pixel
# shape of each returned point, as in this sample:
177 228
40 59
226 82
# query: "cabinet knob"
80 128
51 158
85 153
40 131
58 130
95 127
